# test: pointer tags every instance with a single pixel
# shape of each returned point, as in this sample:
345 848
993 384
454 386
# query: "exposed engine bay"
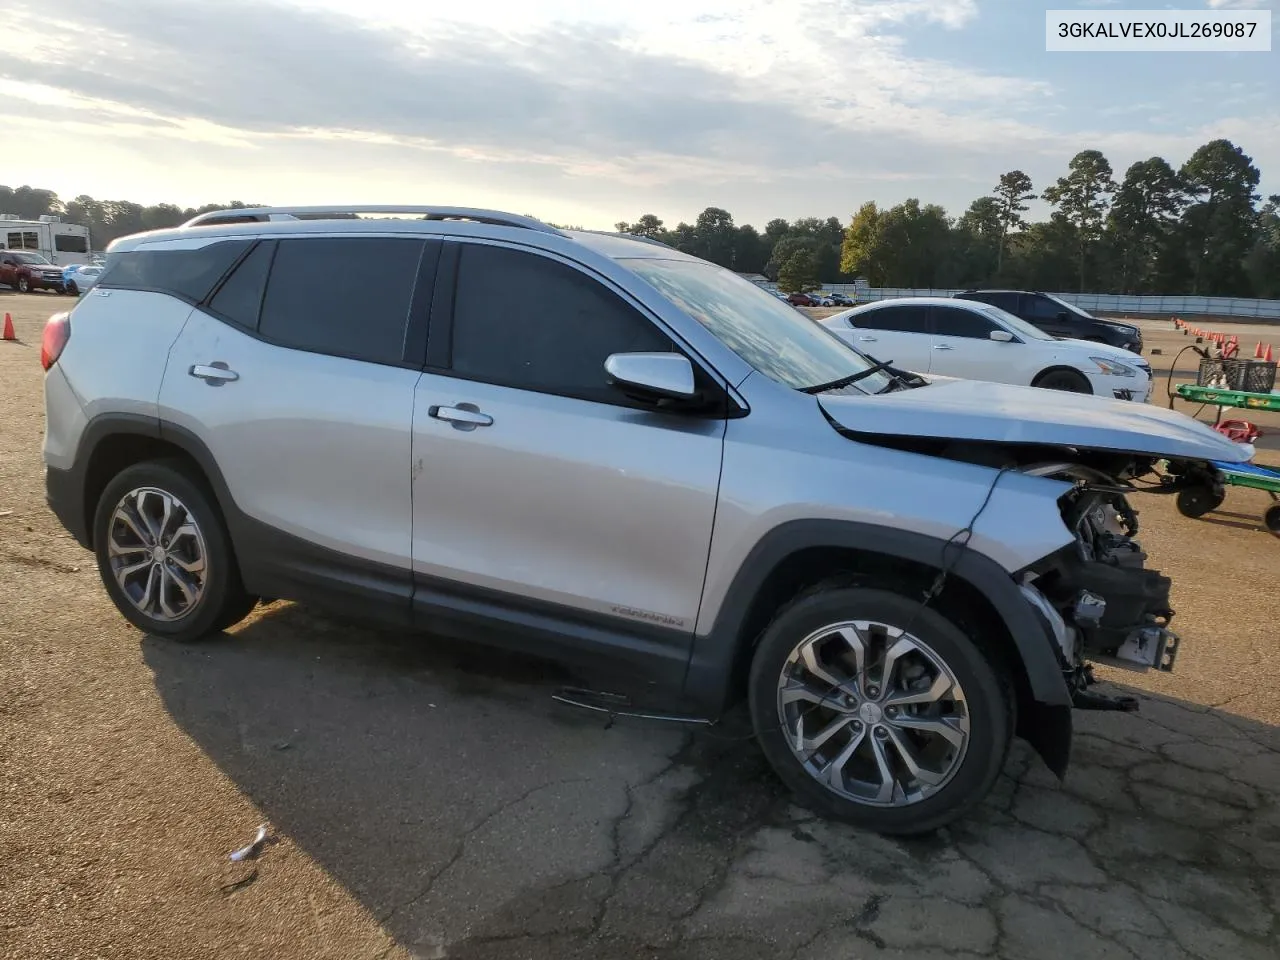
1101 602
1110 608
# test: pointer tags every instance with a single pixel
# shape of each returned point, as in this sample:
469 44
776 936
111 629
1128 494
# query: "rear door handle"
943 346
465 416
867 339
213 373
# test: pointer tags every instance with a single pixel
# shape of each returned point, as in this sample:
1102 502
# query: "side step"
617 705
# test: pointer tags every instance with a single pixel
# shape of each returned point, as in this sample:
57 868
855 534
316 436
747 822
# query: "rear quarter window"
186 274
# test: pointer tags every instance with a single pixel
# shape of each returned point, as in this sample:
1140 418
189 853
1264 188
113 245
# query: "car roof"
919 302
427 221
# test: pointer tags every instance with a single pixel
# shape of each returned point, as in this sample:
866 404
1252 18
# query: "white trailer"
58 242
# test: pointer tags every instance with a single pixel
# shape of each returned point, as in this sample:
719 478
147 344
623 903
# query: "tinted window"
1042 308
347 296
188 274
958 322
1005 300
895 319
240 297
526 321
70 243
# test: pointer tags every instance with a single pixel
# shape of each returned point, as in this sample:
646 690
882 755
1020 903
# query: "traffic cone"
8 328
1267 357
1257 351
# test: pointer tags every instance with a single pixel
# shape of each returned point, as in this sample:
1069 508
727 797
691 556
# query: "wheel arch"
1063 368
979 596
111 442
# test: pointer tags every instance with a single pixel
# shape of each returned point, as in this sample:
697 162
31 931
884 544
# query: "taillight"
57 331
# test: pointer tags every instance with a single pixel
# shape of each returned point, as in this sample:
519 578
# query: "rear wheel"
1067 380
877 711
164 554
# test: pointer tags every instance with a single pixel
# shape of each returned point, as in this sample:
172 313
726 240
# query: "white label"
1161 31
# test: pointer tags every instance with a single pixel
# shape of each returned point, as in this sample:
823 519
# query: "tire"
1069 381
1195 502
24 285
196 530
1271 519
71 290
964 772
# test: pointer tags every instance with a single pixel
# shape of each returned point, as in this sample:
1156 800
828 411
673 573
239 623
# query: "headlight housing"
1113 368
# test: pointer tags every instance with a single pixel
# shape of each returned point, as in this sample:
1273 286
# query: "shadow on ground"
475 817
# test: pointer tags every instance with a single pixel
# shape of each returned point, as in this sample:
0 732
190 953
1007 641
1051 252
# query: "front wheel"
24 285
878 711
164 555
1067 380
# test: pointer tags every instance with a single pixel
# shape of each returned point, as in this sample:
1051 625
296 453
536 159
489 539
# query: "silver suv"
599 449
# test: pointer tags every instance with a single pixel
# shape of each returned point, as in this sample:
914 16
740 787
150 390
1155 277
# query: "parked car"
1059 318
79 278
801 300
26 272
709 495
963 338
840 300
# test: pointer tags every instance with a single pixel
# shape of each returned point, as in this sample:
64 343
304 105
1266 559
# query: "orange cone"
1257 351
8 328
1267 357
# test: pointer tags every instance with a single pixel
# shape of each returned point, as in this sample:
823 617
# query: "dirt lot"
431 801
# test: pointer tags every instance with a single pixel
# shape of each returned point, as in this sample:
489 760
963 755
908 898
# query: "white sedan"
975 341
81 277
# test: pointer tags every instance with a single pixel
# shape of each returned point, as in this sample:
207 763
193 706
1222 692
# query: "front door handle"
465 416
213 373
943 346
867 339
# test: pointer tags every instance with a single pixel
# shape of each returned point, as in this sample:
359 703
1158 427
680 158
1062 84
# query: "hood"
1091 348
1003 413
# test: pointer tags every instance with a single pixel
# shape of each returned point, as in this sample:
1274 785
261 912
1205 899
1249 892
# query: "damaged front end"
1101 601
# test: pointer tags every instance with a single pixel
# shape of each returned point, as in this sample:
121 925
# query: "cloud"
594 89
798 105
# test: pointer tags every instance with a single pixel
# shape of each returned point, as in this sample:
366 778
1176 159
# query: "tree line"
1198 229
1195 230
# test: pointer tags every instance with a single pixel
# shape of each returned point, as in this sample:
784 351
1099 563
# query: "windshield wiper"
853 378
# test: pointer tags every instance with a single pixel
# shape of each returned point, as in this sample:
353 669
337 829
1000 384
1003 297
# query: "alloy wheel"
157 554
873 713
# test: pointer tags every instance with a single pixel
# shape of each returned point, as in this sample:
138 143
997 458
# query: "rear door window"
906 319
344 296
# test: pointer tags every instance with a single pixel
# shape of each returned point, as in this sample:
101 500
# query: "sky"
592 112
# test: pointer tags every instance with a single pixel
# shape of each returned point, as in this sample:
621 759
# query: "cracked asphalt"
430 800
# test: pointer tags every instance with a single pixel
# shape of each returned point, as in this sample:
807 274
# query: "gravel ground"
430 800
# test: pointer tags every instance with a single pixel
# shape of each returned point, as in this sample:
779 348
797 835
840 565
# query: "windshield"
1016 324
1070 307
30 258
771 336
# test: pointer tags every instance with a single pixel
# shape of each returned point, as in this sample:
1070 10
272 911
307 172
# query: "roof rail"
494 217
627 236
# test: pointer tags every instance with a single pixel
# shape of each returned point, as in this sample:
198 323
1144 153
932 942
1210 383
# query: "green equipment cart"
1221 397
1196 501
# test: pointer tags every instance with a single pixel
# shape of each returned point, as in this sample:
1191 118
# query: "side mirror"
1001 336
653 376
